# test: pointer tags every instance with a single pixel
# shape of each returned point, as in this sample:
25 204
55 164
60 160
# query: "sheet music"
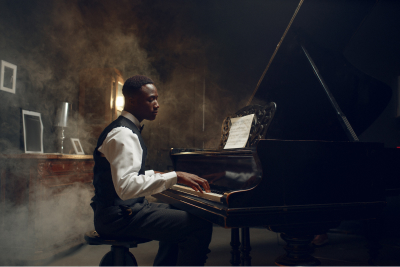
239 132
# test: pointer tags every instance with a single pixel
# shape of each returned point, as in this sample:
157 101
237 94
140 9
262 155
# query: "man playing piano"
121 184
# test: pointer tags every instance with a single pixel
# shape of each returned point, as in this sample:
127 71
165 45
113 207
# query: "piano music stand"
263 116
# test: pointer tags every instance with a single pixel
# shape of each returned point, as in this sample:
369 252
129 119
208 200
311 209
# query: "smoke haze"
205 57
31 233
51 42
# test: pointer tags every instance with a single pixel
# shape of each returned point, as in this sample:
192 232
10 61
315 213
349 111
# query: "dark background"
205 56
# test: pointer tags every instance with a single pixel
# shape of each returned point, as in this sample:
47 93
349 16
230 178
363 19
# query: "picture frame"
77 146
8 77
33 131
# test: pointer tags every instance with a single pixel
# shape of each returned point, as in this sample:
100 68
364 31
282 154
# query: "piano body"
302 176
283 182
298 188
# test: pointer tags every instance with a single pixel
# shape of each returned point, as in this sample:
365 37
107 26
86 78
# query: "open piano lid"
304 111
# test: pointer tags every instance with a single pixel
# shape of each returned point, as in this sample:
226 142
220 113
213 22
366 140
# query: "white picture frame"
77 146
33 131
8 77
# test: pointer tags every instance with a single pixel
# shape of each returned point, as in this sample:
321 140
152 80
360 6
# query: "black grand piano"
292 178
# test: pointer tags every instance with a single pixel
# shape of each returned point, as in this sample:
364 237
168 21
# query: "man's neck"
132 111
131 117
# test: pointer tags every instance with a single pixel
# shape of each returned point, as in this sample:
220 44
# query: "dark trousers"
184 238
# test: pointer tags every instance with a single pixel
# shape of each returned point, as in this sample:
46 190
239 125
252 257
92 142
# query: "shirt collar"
130 117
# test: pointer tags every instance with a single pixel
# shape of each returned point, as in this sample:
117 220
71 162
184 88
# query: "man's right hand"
194 181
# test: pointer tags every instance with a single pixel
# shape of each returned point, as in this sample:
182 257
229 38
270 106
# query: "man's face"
145 104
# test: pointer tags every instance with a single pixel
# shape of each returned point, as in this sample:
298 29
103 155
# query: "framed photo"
77 146
8 77
33 131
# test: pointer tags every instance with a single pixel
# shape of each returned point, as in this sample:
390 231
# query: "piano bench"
119 254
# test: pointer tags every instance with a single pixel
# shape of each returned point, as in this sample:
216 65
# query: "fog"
51 42
32 234
205 58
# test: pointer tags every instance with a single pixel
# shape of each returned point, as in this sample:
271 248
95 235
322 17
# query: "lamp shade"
62 114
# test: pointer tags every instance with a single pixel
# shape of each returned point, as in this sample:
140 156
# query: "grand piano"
305 171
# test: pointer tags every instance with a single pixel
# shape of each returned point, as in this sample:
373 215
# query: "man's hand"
194 181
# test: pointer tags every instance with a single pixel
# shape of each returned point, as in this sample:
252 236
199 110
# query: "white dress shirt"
123 151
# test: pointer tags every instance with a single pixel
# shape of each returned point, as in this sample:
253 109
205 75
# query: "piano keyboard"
210 196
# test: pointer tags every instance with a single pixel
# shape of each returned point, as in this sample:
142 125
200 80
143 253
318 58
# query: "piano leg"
372 230
246 248
235 243
298 251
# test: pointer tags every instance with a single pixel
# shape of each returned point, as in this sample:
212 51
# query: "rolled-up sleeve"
123 151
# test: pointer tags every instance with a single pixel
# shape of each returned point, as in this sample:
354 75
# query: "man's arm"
123 151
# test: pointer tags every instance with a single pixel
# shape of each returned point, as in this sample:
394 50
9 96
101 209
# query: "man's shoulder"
125 131
120 122
125 122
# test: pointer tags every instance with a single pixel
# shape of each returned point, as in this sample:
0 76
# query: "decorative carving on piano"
263 116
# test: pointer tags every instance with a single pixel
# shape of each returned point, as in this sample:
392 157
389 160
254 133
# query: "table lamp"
62 121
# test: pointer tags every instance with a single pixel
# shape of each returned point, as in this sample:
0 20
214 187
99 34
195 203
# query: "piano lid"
303 108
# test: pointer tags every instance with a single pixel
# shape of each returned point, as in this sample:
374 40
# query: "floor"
342 250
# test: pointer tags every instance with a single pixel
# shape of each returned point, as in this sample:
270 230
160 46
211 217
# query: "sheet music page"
239 132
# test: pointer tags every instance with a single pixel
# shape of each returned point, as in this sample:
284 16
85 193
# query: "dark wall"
205 56
373 49
37 86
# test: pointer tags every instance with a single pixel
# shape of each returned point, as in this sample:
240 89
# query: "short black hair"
134 83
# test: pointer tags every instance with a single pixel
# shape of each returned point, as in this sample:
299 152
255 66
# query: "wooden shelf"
44 156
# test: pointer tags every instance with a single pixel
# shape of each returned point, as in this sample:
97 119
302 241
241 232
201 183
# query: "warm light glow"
120 103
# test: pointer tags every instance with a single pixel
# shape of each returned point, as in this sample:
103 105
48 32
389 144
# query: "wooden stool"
119 254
